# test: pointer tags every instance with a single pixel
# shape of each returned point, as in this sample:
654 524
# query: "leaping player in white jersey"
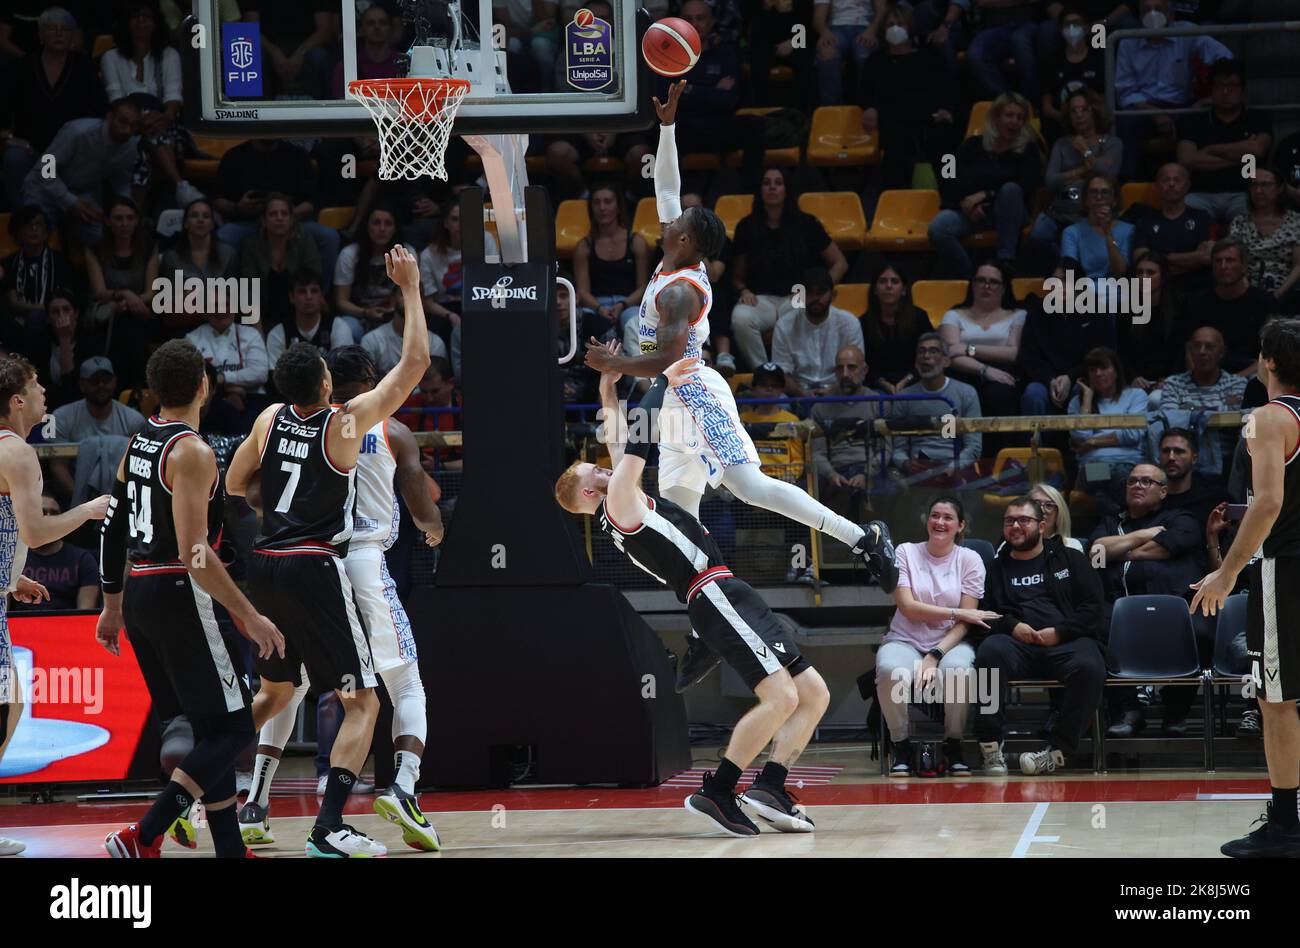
389 454
22 525
703 442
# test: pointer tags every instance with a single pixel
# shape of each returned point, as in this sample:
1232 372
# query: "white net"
414 118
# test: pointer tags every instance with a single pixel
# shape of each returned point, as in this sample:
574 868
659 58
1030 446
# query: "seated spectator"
362 287
846 29
1086 151
1008 28
946 27
249 175
441 273
927 648
92 155
197 252
122 270
48 87
1187 488
143 68
238 354
774 245
1213 145
997 175
581 381
1100 245
311 320
272 255
779 457
1106 454
297 43
982 339
566 156
918 454
1051 354
1077 65
384 342
612 283
437 390
842 448
33 271
376 58
1206 387
1056 515
69 345
1271 235
890 328
1149 351
97 413
1050 623
1182 234
1233 307
1154 73
805 342
771 43
1149 550
907 98
69 573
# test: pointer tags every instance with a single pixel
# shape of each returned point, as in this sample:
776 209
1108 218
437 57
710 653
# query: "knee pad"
406 691
177 742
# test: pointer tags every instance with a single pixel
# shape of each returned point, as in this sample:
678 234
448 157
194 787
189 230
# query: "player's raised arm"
247 460
374 406
22 473
679 304
614 424
415 485
668 181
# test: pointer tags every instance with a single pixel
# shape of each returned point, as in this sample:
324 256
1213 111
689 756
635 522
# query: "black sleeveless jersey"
1284 538
670 545
151 526
307 499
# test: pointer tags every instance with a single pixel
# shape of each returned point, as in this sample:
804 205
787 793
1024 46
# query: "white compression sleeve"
406 691
277 730
668 180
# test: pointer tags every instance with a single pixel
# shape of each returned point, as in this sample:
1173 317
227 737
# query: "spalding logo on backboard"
588 52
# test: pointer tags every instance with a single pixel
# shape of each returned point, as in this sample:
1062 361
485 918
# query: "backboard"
598 80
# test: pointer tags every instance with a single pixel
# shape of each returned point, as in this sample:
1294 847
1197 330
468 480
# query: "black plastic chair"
984 548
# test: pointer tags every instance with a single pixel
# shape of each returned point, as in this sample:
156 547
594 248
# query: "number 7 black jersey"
151 525
670 545
307 499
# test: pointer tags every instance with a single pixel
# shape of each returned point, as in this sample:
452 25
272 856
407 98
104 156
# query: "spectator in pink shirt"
939 585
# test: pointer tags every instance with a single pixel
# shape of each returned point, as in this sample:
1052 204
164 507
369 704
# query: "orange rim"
400 89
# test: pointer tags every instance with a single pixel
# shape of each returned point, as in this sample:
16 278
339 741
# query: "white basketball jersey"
375 519
698 333
13 551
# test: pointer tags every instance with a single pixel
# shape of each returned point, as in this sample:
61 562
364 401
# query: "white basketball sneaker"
342 843
11 847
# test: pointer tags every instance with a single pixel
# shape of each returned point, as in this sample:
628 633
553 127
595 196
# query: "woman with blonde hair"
1056 514
997 174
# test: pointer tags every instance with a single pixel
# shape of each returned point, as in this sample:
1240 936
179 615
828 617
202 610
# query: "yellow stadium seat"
7 242
840 212
700 161
732 208
572 225
901 220
1049 457
837 138
205 169
1138 192
646 222
103 43
740 380
1021 287
336 217
853 297
936 297
603 164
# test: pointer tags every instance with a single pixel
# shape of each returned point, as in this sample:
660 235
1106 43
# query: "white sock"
754 487
408 770
264 768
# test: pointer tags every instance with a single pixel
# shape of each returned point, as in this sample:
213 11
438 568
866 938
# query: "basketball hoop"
414 118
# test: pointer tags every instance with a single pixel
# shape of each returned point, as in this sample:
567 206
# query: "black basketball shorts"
735 622
1273 628
309 598
186 663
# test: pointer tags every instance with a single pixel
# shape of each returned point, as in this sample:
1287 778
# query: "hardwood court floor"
858 814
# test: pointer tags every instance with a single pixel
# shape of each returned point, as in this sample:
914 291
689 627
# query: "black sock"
338 785
224 826
726 776
1284 807
175 800
774 774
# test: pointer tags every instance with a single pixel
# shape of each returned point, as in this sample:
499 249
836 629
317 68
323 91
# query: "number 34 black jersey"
151 525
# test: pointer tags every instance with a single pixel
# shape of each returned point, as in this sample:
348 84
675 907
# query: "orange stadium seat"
853 297
901 219
732 208
572 225
205 169
1050 458
840 212
646 222
837 138
936 297
103 43
1138 192
1021 287
336 217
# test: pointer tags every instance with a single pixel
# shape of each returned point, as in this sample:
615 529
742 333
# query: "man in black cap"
805 342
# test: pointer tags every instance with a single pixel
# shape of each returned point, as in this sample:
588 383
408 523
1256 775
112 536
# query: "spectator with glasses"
1106 454
1056 514
982 338
1100 245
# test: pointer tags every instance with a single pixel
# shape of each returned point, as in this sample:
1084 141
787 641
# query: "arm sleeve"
112 541
1132 401
1088 617
904 563
782 354
668 183
1070 243
972 577
1181 535
1056 167
110 66
171 73
640 420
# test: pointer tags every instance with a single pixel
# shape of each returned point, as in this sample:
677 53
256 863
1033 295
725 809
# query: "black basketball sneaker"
1270 841
779 807
696 664
877 550
720 809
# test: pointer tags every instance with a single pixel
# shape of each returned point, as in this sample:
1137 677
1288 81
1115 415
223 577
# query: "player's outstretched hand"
668 113
262 632
610 377
108 629
403 268
96 509
599 357
1212 591
682 372
30 592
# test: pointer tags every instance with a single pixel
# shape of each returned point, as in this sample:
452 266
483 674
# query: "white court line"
1234 796
1029 834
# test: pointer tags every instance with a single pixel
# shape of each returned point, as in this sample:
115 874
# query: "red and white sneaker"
125 844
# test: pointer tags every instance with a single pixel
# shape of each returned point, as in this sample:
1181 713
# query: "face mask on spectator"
896 35
1073 34
1154 20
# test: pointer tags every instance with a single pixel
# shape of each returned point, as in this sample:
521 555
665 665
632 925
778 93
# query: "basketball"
671 47
584 18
